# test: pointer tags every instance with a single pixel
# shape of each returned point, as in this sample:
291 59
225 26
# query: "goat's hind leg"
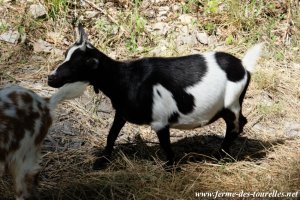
235 122
26 179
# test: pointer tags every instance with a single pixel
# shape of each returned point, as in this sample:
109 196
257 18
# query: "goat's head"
80 62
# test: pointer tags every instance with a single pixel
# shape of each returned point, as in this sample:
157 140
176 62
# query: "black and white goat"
179 92
25 119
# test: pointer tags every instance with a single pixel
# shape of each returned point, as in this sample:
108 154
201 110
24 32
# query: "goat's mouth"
54 81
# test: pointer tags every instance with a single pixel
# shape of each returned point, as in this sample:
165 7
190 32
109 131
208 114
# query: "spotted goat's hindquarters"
176 92
25 119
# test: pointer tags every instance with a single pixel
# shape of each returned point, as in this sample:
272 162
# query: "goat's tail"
68 91
252 56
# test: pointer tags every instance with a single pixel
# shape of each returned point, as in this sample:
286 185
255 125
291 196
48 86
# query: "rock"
25 1
37 11
163 11
54 37
10 36
161 28
156 1
161 18
202 37
149 13
46 47
67 128
57 52
264 128
91 14
296 65
212 40
145 4
186 19
189 40
176 8
161 49
42 46
105 107
185 37
292 129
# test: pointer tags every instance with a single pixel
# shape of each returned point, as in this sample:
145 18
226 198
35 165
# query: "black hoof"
101 163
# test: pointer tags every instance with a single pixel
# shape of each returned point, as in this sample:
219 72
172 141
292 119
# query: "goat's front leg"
114 131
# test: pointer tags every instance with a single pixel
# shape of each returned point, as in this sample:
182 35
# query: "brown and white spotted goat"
25 118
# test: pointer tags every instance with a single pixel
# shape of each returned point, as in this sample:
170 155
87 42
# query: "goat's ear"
83 38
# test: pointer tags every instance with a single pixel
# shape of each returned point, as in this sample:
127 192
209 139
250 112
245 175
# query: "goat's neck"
107 78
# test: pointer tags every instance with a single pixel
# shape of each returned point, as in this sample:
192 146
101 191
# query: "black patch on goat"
231 65
172 74
173 118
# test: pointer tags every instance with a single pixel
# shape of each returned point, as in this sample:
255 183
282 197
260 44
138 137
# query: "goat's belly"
189 126
195 120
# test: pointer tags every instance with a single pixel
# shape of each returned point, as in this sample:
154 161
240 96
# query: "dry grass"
265 158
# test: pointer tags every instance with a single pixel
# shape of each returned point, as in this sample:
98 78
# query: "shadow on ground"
117 183
200 148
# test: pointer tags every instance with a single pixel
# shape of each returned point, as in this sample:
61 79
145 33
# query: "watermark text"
243 194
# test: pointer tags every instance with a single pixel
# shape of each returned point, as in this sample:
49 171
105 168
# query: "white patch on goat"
208 96
89 46
233 91
25 160
164 106
11 112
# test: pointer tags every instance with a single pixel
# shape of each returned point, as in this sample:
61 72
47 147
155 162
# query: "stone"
149 13
189 40
163 11
161 28
202 37
42 46
186 19
10 36
161 49
292 129
37 11
176 8
184 30
185 37
296 65
212 40
91 14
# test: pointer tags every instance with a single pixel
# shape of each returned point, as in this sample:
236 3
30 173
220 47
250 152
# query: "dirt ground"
265 158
